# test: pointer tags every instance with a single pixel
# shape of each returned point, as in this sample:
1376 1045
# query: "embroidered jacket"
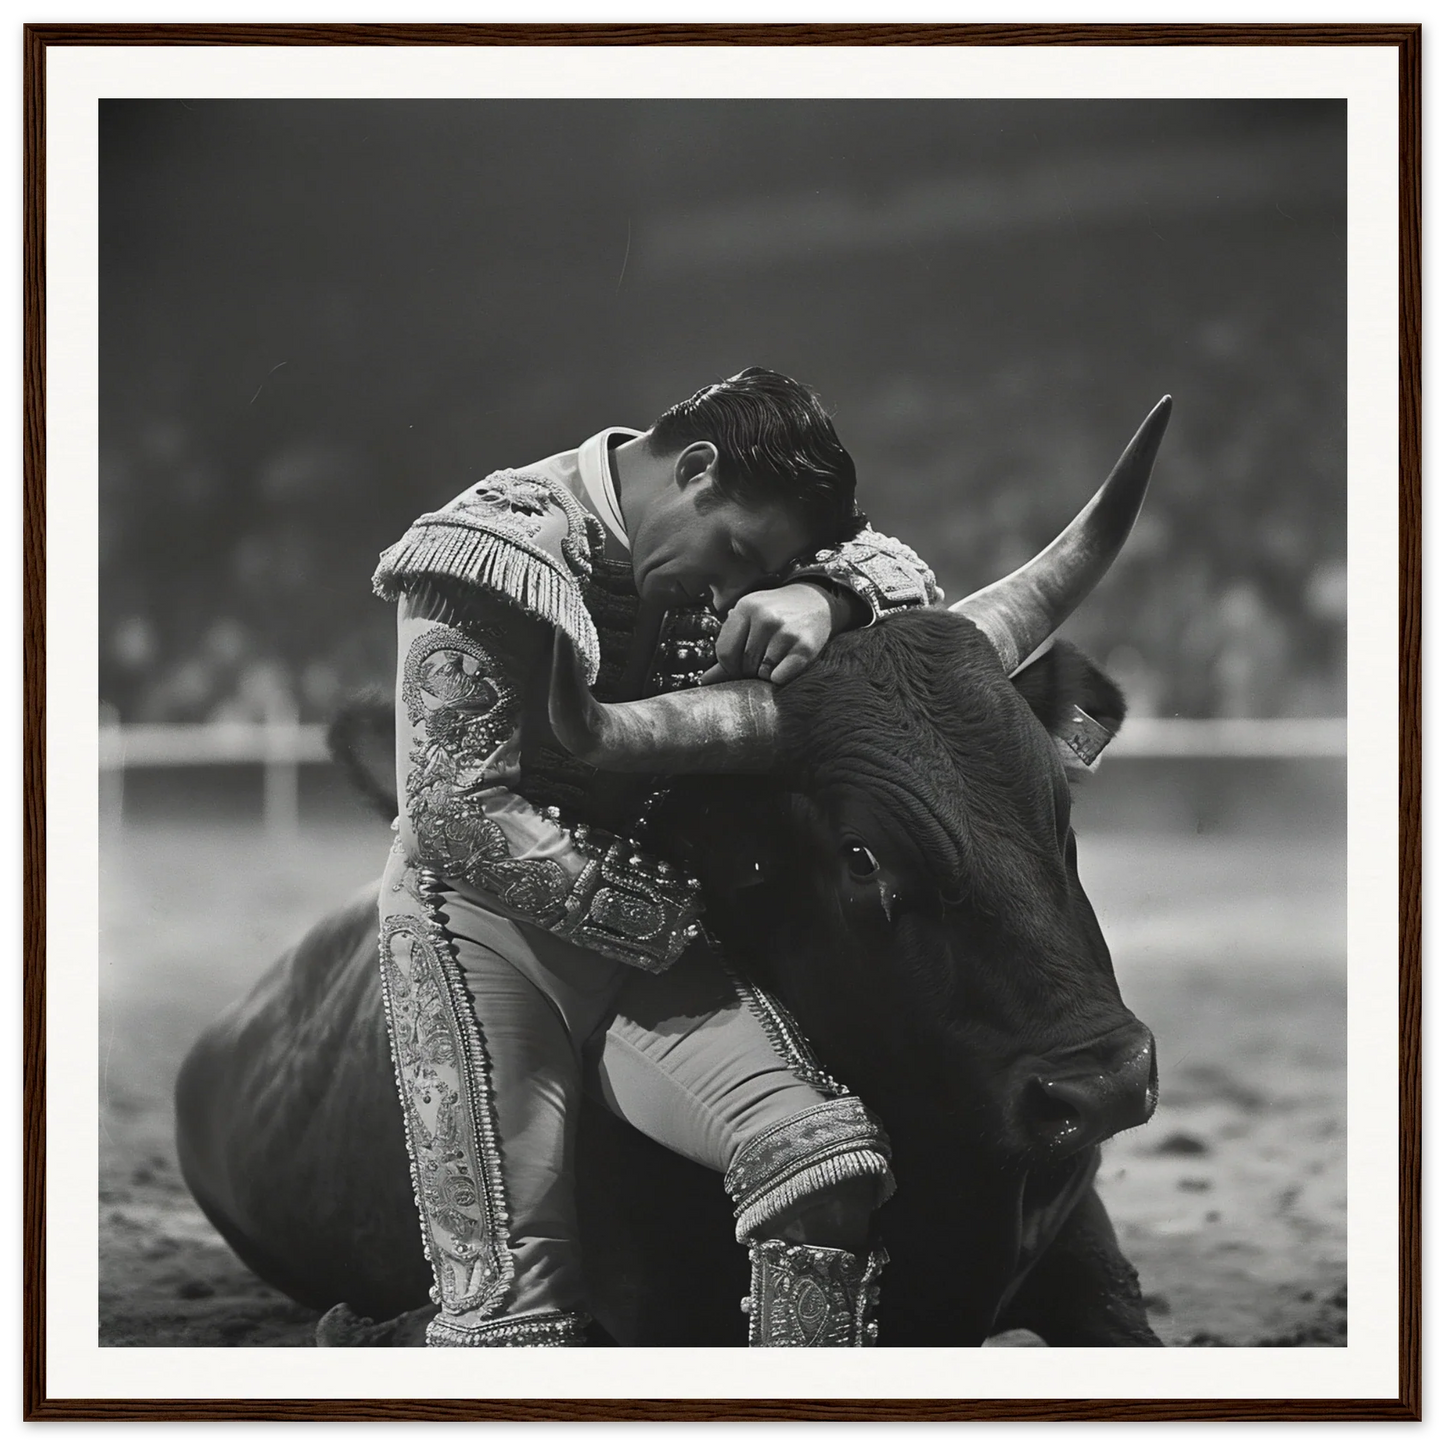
488 799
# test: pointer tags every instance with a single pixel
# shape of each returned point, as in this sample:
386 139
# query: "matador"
526 936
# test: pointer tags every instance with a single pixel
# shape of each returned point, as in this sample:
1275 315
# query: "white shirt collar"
596 472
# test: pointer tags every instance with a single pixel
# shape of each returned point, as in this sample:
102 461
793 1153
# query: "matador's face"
695 546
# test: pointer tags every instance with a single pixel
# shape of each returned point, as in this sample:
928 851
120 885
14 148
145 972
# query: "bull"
899 870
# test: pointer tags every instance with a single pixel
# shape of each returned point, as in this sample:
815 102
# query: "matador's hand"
775 634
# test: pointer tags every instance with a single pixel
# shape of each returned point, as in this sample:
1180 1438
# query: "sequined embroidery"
887 574
453 682
807 1296
519 505
553 1328
465 713
443 1081
522 537
465 736
631 907
687 648
809 1153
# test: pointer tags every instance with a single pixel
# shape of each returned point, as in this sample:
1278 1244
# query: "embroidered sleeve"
460 703
883 573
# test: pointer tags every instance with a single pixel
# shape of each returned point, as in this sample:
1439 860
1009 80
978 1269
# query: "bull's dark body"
290 1132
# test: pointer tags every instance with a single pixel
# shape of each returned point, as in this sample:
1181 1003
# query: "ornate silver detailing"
554 1328
525 538
458 688
630 906
465 716
510 500
808 1296
806 1154
686 649
443 1079
885 573
785 1036
464 711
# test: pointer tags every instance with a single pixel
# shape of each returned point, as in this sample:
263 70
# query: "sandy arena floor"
1231 1202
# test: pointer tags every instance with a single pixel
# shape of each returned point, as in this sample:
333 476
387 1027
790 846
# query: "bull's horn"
731 727
1020 611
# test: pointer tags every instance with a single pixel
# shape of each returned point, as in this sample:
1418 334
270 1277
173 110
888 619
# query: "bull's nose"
1090 1101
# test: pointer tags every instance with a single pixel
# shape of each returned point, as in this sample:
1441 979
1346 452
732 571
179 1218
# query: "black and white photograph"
722 722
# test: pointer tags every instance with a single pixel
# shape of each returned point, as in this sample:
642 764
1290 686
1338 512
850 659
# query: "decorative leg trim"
785 1036
809 1296
808 1153
444 1080
544 1327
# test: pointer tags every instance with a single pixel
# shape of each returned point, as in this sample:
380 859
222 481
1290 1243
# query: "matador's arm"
461 702
481 587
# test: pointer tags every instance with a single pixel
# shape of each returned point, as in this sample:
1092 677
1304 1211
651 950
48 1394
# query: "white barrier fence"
282 743
280 746
1230 737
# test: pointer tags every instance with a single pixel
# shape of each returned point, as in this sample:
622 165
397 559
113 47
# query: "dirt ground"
1231 1202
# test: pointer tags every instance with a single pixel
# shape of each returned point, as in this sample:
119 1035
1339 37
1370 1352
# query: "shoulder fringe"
543 586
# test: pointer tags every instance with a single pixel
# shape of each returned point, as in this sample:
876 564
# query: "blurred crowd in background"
319 319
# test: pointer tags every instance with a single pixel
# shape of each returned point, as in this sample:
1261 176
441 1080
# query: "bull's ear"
1081 706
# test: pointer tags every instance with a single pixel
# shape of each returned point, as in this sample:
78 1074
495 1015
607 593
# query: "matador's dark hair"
775 444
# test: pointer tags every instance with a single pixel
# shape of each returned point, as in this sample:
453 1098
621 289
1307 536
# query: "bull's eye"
862 865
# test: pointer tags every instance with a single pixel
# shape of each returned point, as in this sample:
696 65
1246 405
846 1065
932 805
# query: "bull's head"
914 893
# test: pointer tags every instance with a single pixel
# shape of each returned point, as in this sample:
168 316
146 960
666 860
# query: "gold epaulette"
524 538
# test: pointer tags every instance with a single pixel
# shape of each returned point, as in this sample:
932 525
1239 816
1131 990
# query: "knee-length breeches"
516 1023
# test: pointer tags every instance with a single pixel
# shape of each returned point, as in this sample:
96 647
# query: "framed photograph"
1025 1048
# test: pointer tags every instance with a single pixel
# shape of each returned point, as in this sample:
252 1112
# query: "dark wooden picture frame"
39 1404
